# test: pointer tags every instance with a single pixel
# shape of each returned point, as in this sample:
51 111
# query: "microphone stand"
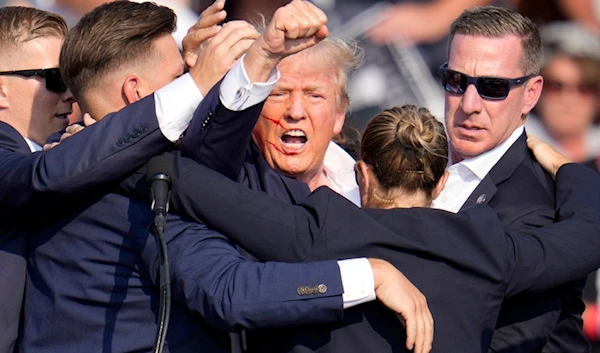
157 175
157 230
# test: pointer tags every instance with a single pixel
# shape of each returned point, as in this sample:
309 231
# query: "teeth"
293 146
295 133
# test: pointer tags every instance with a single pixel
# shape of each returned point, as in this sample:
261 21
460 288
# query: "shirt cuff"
175 104
238 93
358 282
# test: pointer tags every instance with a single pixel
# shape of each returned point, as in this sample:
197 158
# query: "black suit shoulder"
526 199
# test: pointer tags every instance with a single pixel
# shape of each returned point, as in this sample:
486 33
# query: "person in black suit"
464 265
210 280
35 185
491 83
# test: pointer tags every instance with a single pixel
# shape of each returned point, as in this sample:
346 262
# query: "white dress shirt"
466 175
34 147
339 168
177 101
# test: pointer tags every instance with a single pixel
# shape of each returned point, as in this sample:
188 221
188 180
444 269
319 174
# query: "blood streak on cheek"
276 122
280 151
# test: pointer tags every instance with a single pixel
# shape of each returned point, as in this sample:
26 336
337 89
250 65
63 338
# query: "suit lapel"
12 140
483 193
505 167
280 186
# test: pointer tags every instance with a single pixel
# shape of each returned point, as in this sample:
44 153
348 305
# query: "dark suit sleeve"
532 260
218 137
567 257
109 150
210 277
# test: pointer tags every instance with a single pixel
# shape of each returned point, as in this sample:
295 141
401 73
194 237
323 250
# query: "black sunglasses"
54 81
494 88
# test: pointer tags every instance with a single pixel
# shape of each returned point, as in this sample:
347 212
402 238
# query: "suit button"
301 290
120 142
128 139
142 129
135 134
322 288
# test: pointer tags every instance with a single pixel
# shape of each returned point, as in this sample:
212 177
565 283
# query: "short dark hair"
112 35
496 22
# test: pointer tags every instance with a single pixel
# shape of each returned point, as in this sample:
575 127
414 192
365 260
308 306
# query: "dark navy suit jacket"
92 282
35 186
255 173
92 285
465 264
522 195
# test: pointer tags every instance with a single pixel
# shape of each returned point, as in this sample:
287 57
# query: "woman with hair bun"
404 153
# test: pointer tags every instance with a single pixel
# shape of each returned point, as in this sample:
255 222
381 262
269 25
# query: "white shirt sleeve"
175 104
358 281
238 93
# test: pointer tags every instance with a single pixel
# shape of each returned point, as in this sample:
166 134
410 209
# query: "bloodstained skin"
278 123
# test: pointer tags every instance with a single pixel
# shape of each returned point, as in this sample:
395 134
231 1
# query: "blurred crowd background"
405 43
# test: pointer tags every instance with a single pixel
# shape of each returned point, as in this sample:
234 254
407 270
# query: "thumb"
322 33
88 120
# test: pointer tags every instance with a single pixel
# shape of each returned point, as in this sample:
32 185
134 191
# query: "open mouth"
294 139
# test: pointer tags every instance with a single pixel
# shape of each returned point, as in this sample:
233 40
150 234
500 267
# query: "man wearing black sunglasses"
491 83
35 103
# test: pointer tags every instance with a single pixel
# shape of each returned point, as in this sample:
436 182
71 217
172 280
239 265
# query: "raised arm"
219 140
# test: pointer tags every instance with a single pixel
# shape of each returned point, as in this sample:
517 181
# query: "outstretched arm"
273 230
111 149
210 277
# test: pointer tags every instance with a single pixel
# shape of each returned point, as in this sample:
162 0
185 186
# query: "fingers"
206 28
88 120
194 39
420 339
430 332
212 15
71 130
221 52
232 33
424 339
397 293
294 27
301 19
546 155
411 326
50 145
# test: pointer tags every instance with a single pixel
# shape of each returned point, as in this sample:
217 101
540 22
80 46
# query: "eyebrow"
314 88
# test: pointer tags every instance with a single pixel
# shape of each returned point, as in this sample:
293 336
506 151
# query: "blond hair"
21 24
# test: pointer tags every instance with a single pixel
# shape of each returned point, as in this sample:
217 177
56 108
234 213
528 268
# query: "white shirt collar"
339 167
483 163
34 147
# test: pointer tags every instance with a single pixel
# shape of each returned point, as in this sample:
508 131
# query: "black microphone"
158 176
